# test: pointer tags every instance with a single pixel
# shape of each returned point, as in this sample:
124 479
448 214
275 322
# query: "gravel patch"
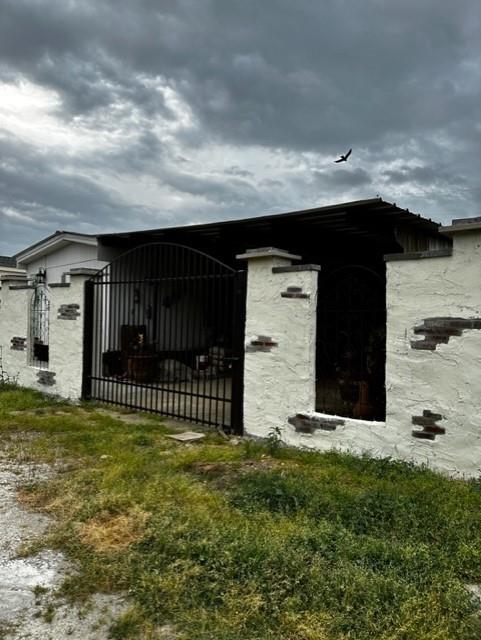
28 606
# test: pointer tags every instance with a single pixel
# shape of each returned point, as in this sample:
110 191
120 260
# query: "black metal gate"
164 332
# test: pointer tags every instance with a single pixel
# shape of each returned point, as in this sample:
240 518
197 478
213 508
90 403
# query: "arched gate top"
161 260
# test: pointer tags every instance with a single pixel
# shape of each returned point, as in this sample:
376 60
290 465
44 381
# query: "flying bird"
344 158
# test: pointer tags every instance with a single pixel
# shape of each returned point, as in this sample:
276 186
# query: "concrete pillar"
67 333
15 295
280 359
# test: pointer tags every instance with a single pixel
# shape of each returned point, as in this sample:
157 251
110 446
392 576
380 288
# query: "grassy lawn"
239 541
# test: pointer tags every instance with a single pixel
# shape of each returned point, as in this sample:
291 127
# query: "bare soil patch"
29 608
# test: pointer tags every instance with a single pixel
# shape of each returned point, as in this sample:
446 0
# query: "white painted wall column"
63 374
280 359
433 360
67 334
15 296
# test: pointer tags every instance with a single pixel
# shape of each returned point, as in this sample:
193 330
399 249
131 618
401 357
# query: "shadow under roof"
372 225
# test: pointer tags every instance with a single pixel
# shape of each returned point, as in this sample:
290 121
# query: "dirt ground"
29 608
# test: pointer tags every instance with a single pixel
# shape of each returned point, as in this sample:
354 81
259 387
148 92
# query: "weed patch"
107 532
223 541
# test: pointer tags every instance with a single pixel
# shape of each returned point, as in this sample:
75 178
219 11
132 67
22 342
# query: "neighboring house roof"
53 243
7 261
462 224
9 269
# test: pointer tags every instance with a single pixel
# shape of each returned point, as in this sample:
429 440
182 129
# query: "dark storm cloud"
343 178
37 197
399 82
309 75
132 157
25 171
423 175
236 190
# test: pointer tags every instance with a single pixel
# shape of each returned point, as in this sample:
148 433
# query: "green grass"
250 542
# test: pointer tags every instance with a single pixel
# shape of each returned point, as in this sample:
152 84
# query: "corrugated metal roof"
348 217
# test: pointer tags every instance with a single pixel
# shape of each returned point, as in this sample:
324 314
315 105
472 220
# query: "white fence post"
280 359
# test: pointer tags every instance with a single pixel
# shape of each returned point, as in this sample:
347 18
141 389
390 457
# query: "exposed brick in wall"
68 312
294 292
46 377
293 268
18 344
440 330
428 422
303 423
261 343
21 287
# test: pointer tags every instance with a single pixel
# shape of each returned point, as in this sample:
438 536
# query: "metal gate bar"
164 329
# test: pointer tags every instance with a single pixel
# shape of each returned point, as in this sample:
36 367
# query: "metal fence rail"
164 333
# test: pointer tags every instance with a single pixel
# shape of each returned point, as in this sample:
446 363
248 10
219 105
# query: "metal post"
88 339
239 318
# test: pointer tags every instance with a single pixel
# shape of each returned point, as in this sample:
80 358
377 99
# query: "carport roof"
361 218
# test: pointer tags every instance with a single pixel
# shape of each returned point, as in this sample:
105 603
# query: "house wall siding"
61 260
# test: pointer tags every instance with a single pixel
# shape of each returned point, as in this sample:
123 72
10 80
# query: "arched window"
39 323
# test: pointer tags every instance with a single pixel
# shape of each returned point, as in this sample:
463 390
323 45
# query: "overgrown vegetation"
217 540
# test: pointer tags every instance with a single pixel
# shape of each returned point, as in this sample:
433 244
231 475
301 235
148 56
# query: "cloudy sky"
129 114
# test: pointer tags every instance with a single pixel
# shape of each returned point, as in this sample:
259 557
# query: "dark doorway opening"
351 342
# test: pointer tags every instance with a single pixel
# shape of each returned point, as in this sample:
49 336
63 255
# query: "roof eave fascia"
51 244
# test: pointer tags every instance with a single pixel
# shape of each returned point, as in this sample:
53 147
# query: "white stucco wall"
353 436
65 337
13 322
5 272
279 381
447 380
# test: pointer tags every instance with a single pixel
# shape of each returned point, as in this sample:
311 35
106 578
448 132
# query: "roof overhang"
53 243
359 219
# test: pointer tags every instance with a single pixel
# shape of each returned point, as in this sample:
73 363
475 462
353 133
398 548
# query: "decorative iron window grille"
39 327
